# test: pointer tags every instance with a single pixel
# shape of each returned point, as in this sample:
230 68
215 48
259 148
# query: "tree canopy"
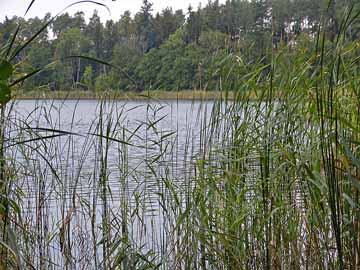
168 50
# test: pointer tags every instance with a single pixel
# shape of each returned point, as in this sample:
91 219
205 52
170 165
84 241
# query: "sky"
41 7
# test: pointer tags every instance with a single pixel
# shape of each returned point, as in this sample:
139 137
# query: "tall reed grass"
267 180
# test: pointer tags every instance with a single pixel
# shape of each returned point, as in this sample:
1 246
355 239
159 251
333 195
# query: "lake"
164 185
93 172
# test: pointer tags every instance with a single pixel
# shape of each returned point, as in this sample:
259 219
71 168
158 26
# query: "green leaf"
31 74
6 70
27 10
350 201
5 93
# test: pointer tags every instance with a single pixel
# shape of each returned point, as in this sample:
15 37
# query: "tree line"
171 50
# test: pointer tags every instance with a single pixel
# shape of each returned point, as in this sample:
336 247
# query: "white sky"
41 7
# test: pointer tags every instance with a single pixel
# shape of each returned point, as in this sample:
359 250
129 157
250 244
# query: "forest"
172 50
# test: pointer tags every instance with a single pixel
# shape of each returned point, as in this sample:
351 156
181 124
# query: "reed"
266 177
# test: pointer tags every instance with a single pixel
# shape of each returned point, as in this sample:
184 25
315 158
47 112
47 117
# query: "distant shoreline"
130 95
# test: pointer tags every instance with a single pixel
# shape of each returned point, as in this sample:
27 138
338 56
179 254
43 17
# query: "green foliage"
143 45
68 72
103 83
5 93
6 70
127 58
88 77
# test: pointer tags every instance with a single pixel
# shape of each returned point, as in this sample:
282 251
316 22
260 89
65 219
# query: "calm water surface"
82 158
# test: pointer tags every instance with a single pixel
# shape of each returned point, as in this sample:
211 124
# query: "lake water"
117 179
87 167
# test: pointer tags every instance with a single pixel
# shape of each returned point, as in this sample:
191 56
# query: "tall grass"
266 180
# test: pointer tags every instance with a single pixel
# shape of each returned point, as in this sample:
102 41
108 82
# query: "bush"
103 83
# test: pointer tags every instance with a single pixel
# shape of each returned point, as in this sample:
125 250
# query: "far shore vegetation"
126 95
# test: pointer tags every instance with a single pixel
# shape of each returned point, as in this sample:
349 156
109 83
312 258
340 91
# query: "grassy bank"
128 95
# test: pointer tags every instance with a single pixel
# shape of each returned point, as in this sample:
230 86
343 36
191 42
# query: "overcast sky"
41 7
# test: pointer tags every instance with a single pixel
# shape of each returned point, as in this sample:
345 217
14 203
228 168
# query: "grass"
255 179
122 95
